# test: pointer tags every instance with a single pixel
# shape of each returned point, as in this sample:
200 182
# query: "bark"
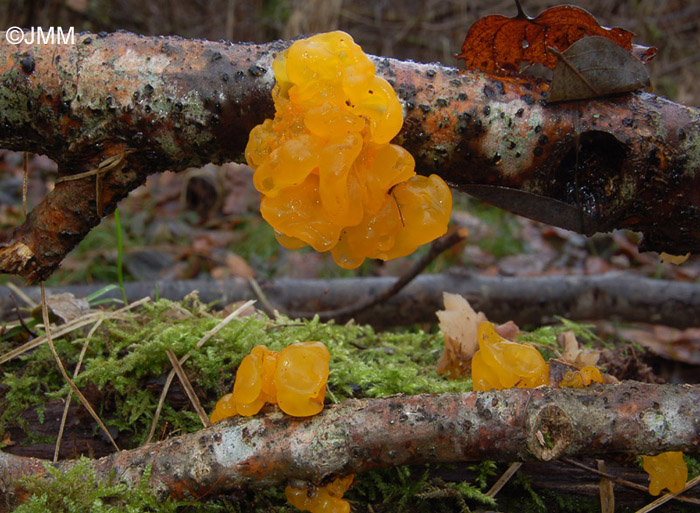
629 161
359 435
527 301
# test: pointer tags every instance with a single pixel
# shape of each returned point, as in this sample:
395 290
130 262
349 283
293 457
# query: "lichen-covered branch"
629 161
359 435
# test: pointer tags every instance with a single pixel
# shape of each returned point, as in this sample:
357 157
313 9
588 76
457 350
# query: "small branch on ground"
360 435
532 300
348 312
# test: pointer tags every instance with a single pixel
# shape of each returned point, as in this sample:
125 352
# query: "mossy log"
165 103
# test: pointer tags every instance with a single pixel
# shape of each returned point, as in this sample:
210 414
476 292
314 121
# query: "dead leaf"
497 44
593 67
674 259
235 266
574 354
459 323
671 343
6 440
64 307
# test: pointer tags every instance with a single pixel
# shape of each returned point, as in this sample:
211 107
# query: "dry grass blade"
64 417
69 327
667 497
20 294
504 479
171 375
607 495
83 400
184 380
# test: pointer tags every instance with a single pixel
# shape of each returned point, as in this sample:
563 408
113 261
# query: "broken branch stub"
629 161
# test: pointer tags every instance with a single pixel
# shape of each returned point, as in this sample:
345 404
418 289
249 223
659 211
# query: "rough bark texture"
629 161
527 301
359 435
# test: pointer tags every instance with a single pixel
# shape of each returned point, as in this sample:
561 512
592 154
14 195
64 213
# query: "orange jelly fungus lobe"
666 470
325 499
295 379
500 363
581 378
327 174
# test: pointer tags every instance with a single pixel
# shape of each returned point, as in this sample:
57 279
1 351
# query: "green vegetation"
77 491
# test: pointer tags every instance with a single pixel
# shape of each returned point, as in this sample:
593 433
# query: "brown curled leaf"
497 44
593 67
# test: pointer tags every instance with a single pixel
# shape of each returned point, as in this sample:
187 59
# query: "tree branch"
629 161
532 300
359 435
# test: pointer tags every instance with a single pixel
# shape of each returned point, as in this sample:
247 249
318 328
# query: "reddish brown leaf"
497 44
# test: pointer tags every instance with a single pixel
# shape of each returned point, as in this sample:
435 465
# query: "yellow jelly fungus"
500 363
327 175
582 378
666 470
225 407
295 379
326 499
301 375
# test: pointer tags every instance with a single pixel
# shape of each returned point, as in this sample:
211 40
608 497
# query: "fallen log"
162 103
527 301
359 435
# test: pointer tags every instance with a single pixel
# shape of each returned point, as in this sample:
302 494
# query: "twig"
64 417
171 374
88 406
436 247
624 482
20 320
261 296
504 478
184 380
667 497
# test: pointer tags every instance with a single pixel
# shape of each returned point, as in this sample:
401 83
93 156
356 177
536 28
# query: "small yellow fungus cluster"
666 470
327 174
500 363
582 378
327 499
294 379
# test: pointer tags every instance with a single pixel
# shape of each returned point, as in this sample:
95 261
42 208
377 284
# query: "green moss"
78 491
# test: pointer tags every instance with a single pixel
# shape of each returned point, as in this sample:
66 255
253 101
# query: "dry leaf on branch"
496 44
594 67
